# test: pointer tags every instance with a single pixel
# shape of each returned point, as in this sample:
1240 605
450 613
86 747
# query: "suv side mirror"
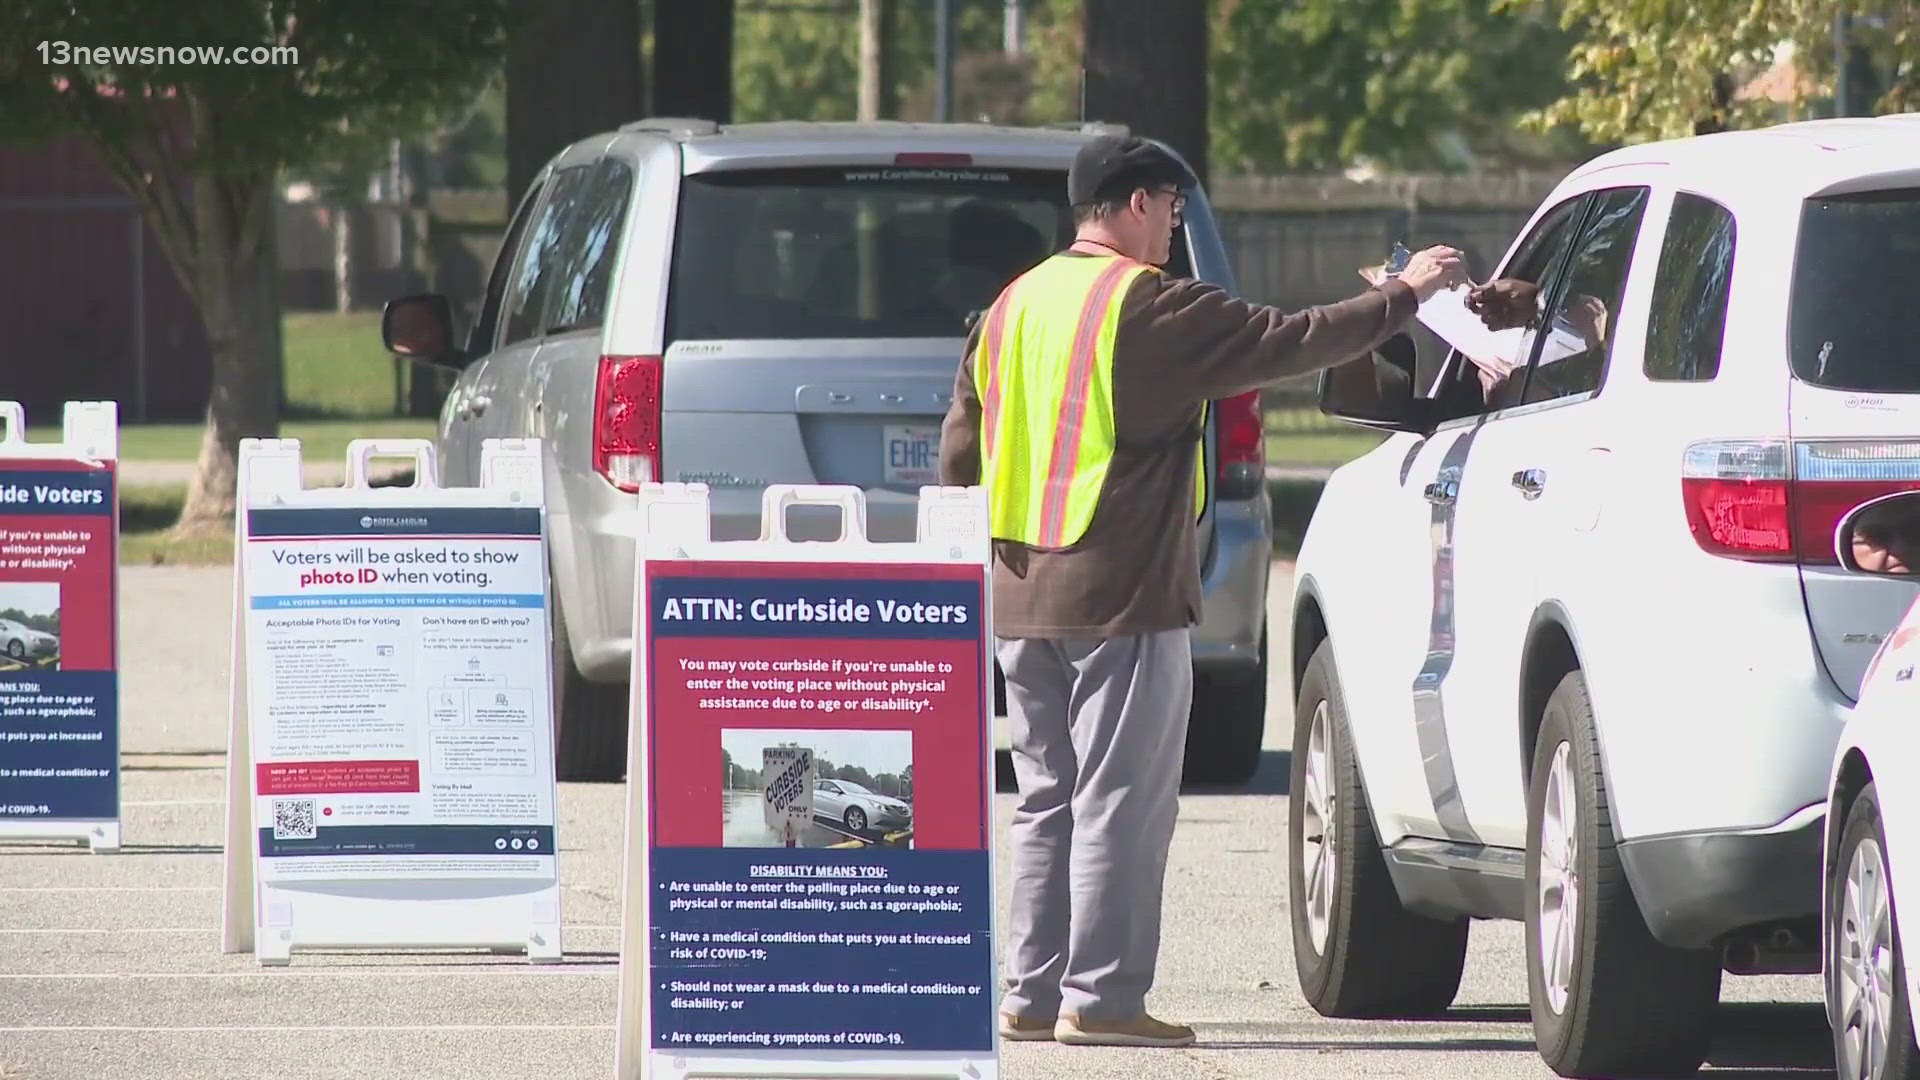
420 327
1376 390
1881 537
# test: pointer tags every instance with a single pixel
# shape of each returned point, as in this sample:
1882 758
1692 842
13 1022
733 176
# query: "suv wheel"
1357 950
1226 725
590 719
1866 966
1608 999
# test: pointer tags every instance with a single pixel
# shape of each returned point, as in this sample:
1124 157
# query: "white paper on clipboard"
1492 351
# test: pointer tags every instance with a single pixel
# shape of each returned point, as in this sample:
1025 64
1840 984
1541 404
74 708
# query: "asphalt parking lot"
110 965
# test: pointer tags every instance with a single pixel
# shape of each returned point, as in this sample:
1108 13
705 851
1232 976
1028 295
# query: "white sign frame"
503 914
674 523
90 433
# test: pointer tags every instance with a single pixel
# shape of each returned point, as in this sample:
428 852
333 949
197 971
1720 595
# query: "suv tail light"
1744 502
1831 478
1242 463
1736 498
626 420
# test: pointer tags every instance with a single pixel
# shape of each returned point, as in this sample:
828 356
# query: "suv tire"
590 719
1865 840
1377 958
1621 1003
1226 725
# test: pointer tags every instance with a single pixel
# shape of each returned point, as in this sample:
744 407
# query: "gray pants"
1099 737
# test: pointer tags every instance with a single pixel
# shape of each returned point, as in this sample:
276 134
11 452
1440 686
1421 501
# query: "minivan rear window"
1853 322
857 251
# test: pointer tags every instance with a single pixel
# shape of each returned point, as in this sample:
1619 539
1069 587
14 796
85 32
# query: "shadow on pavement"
1468 1044
1767 1039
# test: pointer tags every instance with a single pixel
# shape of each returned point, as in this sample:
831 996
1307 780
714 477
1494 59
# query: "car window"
480 339
1468 389
1570 353
538 270
589 250
1688 318
859 252
1852 320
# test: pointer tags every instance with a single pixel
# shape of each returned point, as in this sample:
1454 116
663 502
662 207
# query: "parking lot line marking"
255 1029
513 968
109 888
197 929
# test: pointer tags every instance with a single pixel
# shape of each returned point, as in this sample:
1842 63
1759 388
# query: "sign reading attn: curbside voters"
809 877
59 629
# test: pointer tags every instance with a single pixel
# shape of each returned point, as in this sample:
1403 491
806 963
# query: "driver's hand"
1504 303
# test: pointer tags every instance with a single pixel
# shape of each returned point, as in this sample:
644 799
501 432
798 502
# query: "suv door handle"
1531 482
1440 494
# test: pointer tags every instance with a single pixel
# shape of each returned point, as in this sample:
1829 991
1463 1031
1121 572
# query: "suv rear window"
858 251
1853 323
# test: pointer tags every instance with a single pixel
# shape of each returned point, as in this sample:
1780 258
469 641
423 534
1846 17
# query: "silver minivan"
749 304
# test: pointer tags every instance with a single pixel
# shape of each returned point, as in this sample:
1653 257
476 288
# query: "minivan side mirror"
1881 537
420 327
1377 390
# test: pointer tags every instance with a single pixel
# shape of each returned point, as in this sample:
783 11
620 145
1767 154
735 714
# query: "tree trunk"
693 59
1145 65
877 24
573 70
236 272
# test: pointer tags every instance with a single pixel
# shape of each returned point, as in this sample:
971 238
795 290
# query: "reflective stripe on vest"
1045 363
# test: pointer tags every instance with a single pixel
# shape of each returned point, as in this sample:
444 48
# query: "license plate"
911 454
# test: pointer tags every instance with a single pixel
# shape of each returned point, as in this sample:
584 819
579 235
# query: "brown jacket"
1179 344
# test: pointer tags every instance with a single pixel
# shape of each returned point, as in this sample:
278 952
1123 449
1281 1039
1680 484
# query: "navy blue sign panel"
59 683
880 950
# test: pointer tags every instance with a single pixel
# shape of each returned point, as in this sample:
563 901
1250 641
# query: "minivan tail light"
1735 492
1831 477
626 420
1242 463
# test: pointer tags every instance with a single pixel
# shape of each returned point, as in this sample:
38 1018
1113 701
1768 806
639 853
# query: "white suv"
1579 655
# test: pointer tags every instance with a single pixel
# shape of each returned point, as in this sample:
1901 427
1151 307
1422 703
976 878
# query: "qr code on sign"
293 819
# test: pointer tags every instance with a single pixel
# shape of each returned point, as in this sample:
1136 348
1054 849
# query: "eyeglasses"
1179 202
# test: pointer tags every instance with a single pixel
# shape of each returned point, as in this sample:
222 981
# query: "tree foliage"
1400 84
200 145
1653 69
1292 84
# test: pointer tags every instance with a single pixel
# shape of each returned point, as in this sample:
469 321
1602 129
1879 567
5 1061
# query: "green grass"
336 366
147 511
319 439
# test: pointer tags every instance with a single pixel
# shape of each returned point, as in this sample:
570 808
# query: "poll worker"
1078 404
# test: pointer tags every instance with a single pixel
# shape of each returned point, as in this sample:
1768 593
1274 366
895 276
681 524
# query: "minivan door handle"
1440 494
1531 482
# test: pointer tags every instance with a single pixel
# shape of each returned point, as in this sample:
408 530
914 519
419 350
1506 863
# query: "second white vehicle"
1572 647
1873 819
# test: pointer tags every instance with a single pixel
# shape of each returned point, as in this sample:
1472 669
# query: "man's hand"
1434 269
1504 304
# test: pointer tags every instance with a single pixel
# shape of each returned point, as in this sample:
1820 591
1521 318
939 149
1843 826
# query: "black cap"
1114 165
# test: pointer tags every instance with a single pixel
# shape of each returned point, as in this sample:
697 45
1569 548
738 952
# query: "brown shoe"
1142 1030
1025 1029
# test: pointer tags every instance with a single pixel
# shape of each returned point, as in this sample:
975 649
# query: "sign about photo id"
816 773
59 639
399 720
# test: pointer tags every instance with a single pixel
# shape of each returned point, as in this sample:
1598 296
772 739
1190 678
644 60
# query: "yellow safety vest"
1044 365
